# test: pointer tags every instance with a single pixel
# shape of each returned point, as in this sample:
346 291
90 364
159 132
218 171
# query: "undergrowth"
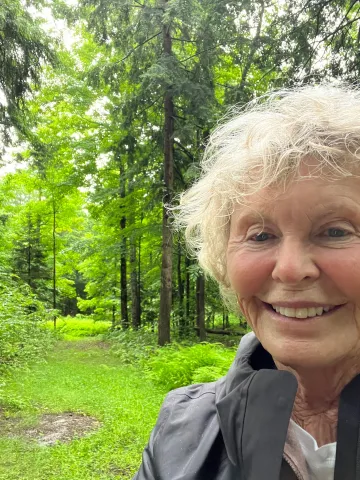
69 328
174 365
22 317
133 346
177 365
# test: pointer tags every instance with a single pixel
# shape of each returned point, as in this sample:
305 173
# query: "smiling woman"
292 259
275 219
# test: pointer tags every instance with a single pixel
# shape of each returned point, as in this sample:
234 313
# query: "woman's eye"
335 232
262 237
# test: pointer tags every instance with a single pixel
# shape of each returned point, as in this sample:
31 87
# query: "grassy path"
81 377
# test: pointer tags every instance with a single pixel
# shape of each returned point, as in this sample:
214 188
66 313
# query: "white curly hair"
264 144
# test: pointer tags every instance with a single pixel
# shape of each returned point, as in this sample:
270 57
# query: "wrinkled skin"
300 248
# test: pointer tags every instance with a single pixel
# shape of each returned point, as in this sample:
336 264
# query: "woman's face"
293 259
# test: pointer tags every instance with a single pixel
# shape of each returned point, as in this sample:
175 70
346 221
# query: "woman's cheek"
342 268
248 272
248 309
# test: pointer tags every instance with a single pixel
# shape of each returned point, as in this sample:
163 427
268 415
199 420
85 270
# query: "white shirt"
320 460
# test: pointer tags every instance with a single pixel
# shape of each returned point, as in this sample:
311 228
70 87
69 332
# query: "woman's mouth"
304 312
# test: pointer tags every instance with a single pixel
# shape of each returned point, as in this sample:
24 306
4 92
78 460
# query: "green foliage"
24 48
133 346
81 223
22 336
209 373
78 327
178 365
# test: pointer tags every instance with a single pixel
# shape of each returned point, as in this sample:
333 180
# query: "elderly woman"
275 219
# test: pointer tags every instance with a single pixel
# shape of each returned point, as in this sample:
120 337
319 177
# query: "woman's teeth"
300 312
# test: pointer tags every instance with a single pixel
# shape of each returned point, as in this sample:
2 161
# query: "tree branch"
138 46
183 40
340 27
184 150
178 171
198 53
151 104
185 120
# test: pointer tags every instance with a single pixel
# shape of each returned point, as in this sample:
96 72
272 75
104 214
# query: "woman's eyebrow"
248 217
327 210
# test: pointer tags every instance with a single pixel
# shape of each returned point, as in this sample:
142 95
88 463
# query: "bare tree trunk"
123 254
114 296
200 280
135 301
180 285
30 283
123 281
200 307
187 290
166 265
139 277
134 277
54 262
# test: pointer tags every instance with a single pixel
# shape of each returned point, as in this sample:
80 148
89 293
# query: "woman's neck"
317 400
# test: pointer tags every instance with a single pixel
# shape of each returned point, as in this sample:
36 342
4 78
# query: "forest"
105 109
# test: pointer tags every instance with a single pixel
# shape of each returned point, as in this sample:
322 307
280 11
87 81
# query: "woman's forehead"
313 195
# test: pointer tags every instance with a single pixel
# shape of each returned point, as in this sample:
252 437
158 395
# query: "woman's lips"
293 311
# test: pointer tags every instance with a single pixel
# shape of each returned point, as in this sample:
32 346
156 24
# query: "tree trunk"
187 290
200 307
30 283
123 254
200 280
123 281
135 300
166 264
139 277
134 275
54 263
180 285
114 295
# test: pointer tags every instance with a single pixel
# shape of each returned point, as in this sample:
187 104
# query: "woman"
275 219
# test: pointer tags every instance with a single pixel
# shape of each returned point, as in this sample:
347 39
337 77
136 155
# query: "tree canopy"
117 128
24 48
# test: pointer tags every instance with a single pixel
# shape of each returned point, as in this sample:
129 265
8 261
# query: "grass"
84 377
70 328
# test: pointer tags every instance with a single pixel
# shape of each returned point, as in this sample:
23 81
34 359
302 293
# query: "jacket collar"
254 408
254 405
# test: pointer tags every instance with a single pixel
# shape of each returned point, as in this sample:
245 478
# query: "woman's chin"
301 355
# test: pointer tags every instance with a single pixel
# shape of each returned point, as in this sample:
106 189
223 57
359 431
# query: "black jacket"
235 428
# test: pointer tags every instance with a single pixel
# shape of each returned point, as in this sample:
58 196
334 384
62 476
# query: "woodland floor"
81 415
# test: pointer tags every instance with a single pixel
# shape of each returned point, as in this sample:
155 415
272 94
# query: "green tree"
24 48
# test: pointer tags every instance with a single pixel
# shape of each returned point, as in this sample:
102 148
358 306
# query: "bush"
133 346
22 317
78 327
178 365
174 365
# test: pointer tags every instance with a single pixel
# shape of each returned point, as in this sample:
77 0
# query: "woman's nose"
294 263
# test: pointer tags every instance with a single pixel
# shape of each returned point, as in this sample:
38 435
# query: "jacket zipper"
293 467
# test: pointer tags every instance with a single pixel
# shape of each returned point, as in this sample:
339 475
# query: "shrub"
178 365
22 317
79 327
133 346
